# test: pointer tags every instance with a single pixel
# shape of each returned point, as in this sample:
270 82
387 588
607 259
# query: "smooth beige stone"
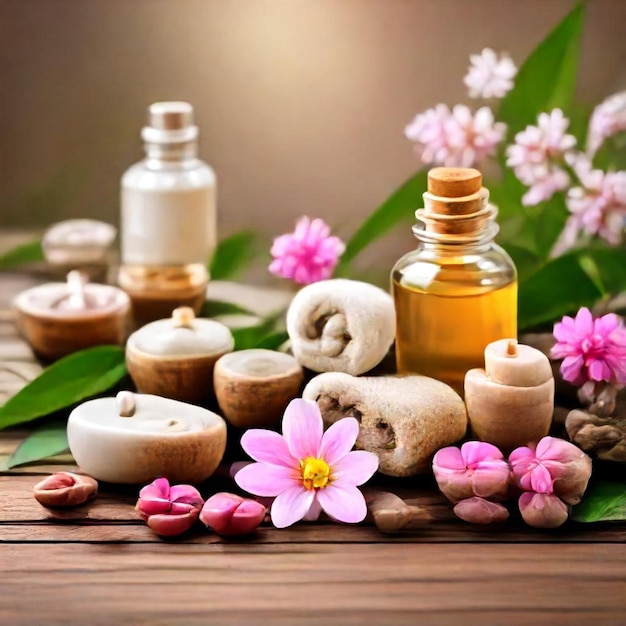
404 420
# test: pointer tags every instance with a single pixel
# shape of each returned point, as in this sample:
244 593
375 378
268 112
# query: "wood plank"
186 582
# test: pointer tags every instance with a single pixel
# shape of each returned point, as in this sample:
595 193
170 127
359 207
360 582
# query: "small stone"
404 420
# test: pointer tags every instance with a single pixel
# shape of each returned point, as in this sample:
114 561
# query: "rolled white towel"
341 325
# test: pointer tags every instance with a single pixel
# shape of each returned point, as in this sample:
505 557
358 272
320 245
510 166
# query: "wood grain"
232 584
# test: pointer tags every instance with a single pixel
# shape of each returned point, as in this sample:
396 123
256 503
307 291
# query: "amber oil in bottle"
457 291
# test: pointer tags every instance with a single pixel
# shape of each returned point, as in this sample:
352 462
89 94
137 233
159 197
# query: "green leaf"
214 308
30 252
604 501
561 286
48 440
69 380
400 206
547 78
253 336
233 254
608 267
273 341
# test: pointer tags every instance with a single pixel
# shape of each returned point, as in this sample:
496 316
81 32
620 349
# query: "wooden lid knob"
454 182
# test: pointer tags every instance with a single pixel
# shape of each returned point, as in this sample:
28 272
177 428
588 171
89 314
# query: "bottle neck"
457 244
170 152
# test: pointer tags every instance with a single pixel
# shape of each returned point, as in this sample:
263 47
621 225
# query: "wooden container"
175 357
60 318
253 387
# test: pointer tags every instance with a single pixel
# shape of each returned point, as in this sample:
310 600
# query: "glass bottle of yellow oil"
457 291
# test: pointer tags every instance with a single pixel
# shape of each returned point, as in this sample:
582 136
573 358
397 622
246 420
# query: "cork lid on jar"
182 335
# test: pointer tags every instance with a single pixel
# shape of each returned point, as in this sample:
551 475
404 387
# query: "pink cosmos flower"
593 350
608 118
229 514
537 154
306 469
489 76
307 255
477 510
598 205
476 469
169 511
455 138
552 466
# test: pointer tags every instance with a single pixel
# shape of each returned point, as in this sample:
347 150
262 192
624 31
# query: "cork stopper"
456 202
454 182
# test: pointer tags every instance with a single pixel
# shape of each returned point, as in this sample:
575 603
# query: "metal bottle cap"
170 122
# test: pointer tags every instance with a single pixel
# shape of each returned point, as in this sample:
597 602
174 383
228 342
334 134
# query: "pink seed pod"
169 511
542 510
476 469
65 489
229 514
552 466
477 510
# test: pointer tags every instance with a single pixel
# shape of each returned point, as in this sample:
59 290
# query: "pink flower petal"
540 480
584 322
186 494
355 468
338 440
266 480
267 446
291 506
303 428
473 452
159 488
449 458
345 503
314 512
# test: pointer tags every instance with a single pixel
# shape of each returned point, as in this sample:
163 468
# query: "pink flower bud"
228 514
542 510
554 465
477 469
169 511
477 510
65 489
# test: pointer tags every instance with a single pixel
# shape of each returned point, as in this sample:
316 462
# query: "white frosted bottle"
168 217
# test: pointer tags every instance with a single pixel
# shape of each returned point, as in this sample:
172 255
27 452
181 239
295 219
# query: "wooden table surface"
99 564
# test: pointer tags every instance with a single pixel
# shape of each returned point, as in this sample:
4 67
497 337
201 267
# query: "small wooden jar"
60 318
136 438
253 387
175 357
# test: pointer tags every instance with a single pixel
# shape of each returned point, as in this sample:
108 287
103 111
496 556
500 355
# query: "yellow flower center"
315 473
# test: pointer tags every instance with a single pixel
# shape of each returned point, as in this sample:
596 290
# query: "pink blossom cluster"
307 255
173 510
593 350
597 205
607 119
490 75
477 478
455 138
538 154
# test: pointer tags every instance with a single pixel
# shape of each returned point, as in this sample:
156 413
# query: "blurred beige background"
301 103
